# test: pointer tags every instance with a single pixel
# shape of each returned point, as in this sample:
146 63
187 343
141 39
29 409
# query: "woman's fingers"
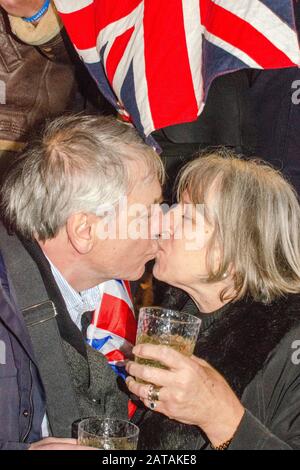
177 365
136 388
164 354
142 390
153 375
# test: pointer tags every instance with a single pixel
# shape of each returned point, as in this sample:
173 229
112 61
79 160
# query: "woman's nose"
157 223
168 223
165 235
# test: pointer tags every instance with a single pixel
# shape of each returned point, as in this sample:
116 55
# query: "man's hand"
54 443
22 8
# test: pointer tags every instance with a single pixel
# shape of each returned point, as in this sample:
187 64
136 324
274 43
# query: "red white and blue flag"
154 60
113 328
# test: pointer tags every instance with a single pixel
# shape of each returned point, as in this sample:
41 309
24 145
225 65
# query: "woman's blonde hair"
256 220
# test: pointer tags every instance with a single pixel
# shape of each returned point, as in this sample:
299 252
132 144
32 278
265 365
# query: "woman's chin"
158 272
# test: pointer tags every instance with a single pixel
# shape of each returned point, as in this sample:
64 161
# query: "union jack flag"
113 327
155 60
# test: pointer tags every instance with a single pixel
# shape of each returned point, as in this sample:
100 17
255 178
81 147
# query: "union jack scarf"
113 328
155 60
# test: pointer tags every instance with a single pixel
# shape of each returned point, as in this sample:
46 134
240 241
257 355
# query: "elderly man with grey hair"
57 254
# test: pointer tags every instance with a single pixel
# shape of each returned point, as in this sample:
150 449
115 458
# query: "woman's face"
182 258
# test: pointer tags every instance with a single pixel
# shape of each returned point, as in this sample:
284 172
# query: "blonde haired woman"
241 389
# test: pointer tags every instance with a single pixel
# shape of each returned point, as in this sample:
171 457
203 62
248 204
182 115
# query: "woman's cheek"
159 266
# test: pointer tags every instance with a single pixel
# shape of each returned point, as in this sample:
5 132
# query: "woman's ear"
81 231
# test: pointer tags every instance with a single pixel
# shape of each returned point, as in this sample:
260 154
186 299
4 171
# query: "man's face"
124 256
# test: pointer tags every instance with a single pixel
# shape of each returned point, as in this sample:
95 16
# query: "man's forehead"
147 191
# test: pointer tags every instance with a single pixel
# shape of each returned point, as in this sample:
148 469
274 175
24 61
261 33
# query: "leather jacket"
36 81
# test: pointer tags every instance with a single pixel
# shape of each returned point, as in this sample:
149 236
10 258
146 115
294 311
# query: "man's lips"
151 256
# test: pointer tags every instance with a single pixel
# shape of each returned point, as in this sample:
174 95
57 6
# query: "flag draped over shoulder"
154 60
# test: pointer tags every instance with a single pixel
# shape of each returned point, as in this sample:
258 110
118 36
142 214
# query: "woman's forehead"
201 195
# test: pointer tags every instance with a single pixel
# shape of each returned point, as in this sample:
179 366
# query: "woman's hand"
192 392
22 8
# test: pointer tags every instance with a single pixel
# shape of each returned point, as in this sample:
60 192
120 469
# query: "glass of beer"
108 434
162 326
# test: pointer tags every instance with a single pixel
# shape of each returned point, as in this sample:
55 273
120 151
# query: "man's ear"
81 231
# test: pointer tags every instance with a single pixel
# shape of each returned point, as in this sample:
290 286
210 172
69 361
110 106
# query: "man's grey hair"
79 164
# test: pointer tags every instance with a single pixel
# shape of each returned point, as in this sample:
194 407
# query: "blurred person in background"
41 76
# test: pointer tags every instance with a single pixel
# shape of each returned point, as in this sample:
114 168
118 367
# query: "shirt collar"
76 302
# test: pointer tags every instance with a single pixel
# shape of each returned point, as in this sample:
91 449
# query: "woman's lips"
160 252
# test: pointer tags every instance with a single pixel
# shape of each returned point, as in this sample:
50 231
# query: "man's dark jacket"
22 402
87 376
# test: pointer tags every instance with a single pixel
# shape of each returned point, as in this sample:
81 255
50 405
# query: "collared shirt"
77 302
